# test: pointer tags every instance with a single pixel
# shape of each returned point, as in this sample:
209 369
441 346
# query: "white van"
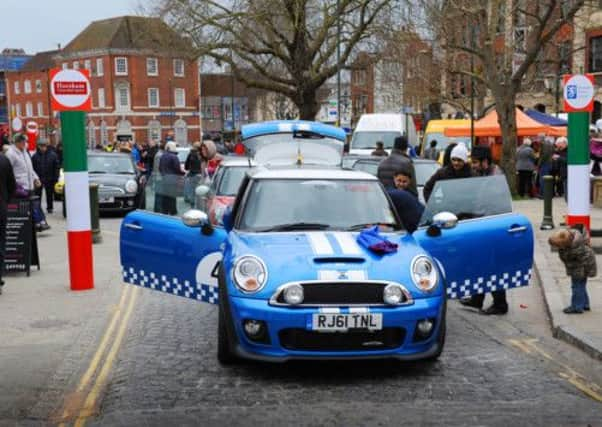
372 128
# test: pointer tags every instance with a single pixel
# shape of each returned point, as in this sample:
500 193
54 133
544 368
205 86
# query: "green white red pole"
77 195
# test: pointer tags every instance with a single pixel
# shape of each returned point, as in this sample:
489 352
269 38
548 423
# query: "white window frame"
118 105
27 86
76 65
175 67
38 86
175 97
28 109
101 97
88 65
125 62
18 110
100 67
156 90
148 70
17 88
40 109
65 66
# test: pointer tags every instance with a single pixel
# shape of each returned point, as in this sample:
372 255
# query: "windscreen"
333 204
424 171
367 140
110 164
230 181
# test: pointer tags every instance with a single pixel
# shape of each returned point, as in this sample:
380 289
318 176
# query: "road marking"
590 389
91 400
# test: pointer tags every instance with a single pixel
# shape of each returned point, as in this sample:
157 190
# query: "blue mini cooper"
287 271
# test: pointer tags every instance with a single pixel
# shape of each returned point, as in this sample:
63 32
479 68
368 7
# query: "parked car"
293 281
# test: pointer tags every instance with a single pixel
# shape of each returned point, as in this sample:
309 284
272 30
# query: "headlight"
250 274
424 274
131 186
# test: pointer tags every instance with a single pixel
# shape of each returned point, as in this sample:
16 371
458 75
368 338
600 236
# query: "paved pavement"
582 330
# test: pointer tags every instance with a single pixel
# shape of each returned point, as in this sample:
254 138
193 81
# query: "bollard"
548 189
94 214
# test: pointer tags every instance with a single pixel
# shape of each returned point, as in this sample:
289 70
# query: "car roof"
236 161
311 173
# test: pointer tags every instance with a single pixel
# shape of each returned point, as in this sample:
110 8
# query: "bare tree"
283 46
484 30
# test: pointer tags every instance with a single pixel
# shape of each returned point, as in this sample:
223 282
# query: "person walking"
169 167
380 150
525 165
7 191
458 168
46 165
398 159
432 153
194 172
482 165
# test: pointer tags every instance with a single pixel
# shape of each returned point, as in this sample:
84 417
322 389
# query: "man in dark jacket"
8 186
45 163
397 160
170 170
458 168
408 208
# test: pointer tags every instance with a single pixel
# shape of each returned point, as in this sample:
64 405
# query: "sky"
39 25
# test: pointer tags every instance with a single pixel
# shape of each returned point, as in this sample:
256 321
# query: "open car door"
159 252
490 248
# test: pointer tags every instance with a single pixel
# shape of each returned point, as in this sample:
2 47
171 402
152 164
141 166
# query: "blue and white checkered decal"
171 285
481 285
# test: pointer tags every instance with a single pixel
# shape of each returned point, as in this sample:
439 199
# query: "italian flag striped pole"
79 230
578 170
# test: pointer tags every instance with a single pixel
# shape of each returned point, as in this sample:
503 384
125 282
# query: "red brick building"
145 83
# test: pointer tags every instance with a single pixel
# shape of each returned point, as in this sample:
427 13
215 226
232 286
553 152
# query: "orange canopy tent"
489 126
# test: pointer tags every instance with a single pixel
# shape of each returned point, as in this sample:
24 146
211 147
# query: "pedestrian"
432 153
170 170
46 165
380 150
26 178
397 160
482 165
525 165
559 166
402 179
59 153
193 167
447 153
544 163
7 192
580 263
457 168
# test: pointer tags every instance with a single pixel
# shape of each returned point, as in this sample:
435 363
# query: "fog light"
425 327
293 294
130 203
392 294
253 328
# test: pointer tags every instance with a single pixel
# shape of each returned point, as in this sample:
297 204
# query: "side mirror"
202 190
445 220
195 218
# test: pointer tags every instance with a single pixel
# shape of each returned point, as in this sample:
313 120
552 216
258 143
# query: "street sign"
70 90
578 93
17 124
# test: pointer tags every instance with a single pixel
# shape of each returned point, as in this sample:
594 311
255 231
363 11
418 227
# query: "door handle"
134 226
517 229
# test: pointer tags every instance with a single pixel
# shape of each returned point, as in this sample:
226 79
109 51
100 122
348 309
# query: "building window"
88 64
18 110
122 97
27 86
154 130
181 132
180 97
101 98
100 69
152 68
76 65
595 54
153 97
17 88
91 134
65 65
104 133
178 67
28 110
40 109
38 86
121 66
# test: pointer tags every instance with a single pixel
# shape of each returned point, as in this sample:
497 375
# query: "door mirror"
202 191
445 220
195 218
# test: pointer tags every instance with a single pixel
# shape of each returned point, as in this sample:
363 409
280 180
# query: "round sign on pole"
17 124
578 93
70 90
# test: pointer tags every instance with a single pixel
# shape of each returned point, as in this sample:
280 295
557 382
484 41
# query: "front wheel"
440 340
225 355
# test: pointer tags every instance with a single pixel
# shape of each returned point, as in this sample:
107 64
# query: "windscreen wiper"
96 172
296 226
357 227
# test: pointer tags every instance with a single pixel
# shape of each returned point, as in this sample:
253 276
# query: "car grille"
110 191
301 339
340 293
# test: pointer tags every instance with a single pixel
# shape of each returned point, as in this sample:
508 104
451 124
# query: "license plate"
344 322
106 200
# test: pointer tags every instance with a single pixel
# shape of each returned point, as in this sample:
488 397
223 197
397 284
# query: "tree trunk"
307 104
505 106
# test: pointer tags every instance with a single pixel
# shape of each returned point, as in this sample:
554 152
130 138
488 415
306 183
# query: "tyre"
440 340
225 355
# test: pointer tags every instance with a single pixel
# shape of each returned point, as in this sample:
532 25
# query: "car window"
367 140
216 179
110 164
469 198
170 194
370 167
424 170
230 181
337 204
443 141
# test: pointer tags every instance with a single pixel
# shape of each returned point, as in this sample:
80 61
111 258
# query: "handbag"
21 192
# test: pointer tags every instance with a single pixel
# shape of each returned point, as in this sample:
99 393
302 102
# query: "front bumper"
120 204
279 319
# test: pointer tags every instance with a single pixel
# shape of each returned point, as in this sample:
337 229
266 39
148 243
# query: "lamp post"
472 41
338 64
